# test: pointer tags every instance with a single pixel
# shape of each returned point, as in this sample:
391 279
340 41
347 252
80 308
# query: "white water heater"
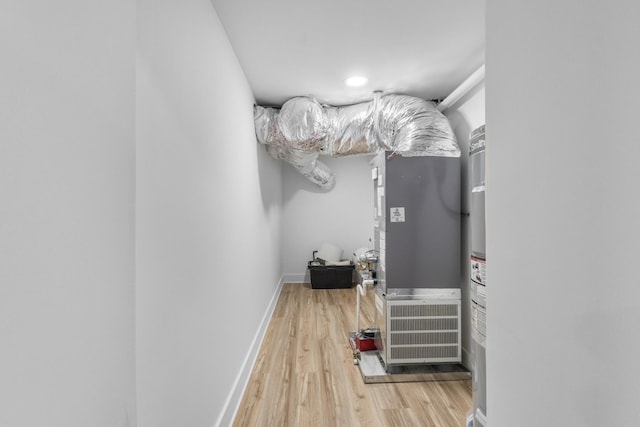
478 279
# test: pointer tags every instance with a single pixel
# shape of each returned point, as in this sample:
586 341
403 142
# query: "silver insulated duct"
302 129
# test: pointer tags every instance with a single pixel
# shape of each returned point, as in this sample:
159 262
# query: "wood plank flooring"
305 376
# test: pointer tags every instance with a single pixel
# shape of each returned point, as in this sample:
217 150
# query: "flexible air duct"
302 129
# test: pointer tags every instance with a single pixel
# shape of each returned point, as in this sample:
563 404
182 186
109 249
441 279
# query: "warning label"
396 214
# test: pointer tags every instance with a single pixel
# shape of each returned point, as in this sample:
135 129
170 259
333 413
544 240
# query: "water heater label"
478 270
396 214
479 324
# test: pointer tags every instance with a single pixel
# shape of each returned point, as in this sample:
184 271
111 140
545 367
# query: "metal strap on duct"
302 129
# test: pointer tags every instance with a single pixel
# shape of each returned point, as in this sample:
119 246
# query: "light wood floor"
305 376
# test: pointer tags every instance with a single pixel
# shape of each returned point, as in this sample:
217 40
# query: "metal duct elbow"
302 129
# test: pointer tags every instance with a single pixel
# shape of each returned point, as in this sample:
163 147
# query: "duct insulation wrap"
302 129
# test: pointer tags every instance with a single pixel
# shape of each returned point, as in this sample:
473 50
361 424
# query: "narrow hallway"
304 374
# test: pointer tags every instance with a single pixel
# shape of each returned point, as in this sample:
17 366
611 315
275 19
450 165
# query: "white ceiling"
287 48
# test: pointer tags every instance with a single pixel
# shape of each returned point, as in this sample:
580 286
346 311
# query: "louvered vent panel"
424 338
408 353
424 324
424 310
424 332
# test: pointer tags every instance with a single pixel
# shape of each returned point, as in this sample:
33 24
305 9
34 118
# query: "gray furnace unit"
417 236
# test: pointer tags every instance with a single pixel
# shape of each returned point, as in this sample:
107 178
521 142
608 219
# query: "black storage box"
330 276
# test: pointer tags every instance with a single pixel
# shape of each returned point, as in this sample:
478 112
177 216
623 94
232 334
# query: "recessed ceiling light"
356 81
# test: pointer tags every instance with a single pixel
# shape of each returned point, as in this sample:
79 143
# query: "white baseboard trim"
231 405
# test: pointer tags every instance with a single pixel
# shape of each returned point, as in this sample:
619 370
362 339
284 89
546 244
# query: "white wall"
312 216
67 214
464 116
562 232
207 215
